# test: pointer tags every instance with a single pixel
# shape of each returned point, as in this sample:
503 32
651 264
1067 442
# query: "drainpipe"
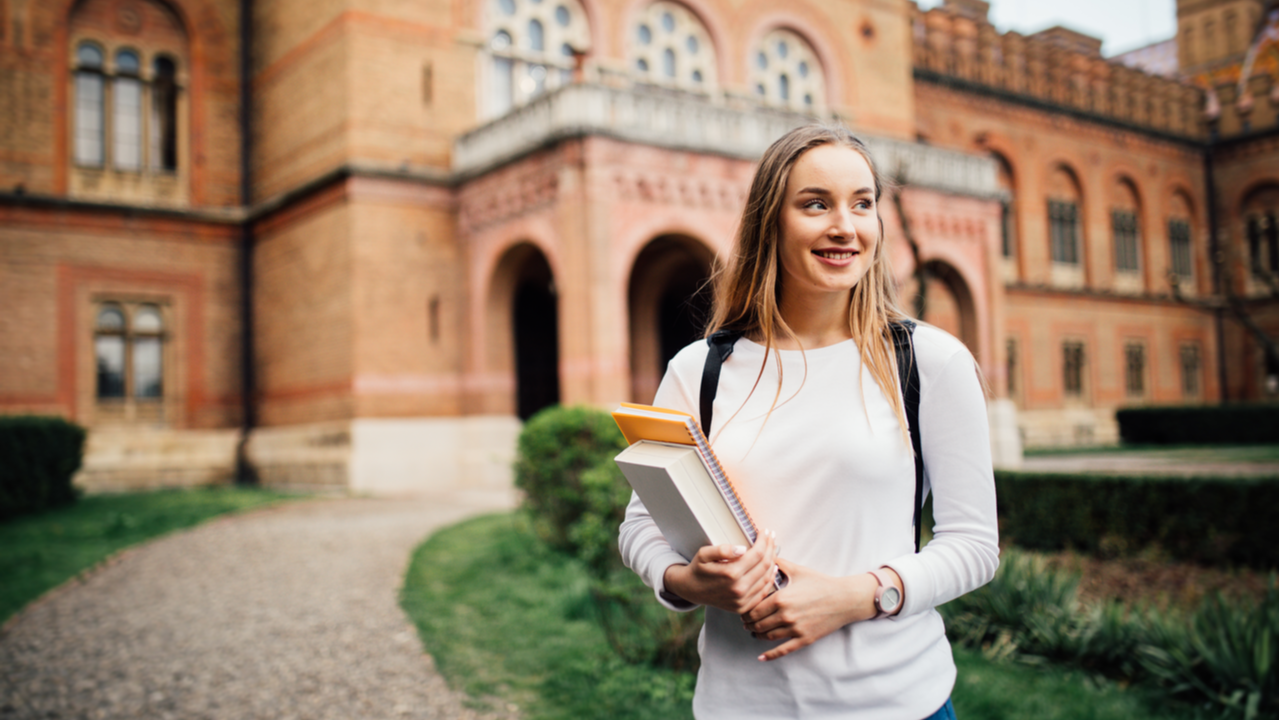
245 474
1216 262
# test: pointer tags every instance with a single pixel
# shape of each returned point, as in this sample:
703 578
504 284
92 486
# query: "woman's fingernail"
739 550
761 658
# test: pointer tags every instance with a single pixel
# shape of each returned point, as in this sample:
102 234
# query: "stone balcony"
693 123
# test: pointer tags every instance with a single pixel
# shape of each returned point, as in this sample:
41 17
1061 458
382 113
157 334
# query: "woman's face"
828 228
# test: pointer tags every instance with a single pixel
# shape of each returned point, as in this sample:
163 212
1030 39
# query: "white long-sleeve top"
831 473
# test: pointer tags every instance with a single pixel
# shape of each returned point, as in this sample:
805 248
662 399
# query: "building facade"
352 244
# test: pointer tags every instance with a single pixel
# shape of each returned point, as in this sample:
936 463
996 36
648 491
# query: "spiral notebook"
673 469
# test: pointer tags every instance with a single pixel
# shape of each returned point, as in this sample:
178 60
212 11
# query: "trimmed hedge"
1207 520
38 457
1238 424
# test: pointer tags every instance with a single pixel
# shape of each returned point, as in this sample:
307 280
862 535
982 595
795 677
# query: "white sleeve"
964 552
644 549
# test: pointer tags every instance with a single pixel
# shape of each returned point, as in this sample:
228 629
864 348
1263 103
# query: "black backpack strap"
909 381
721 343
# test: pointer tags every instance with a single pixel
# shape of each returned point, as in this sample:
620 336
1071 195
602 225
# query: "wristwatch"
888 597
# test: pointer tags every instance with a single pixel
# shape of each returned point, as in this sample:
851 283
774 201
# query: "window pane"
501 89
127 62
147 367
127 119
89 118
669 63
164 116
110 318
562 16
147 320
536 40
109 352
1180 247
89 56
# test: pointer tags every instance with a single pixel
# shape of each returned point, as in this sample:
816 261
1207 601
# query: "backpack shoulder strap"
721 343
909 381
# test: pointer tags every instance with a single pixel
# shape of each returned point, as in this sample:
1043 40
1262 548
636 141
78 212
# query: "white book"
681 495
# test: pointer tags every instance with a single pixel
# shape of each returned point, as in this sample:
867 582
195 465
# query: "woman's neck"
817 321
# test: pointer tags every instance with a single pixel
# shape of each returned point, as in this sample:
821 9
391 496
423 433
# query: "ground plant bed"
512 623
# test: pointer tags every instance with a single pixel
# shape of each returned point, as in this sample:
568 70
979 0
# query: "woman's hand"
810 607
729 577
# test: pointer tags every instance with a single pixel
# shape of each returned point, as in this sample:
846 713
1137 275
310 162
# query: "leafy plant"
576 498
1224 652
38 457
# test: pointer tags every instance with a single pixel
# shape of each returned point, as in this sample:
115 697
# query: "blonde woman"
809 422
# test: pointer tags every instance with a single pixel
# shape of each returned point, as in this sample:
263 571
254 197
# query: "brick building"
352 243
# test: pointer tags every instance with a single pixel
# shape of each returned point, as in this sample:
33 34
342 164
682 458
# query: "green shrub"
1224 654
555 448
38 457
576 498
1209 520
1237 424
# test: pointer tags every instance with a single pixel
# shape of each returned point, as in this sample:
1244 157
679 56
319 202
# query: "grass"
511 623
1010 691
39 552
1188 453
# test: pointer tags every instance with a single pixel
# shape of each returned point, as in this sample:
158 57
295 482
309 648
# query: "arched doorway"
949 304
669 301
524 328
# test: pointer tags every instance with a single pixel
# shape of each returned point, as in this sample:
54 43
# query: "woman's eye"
815 205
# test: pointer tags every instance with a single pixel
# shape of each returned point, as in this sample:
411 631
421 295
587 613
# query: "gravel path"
289 612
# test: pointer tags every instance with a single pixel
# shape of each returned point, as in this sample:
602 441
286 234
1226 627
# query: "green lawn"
512 623
39 552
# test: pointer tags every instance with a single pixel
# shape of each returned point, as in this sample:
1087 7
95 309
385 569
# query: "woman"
809 423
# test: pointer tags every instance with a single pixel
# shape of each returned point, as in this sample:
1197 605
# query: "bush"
576 498
38 457
1207 520
1237 424
555 448
1223 654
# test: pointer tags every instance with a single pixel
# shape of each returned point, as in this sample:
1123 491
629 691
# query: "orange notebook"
648 424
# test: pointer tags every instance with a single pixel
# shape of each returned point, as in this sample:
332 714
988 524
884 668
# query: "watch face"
890 598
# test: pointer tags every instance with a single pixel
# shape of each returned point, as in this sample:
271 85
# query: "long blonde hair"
747 288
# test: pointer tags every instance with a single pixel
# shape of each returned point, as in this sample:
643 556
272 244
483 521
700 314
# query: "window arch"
785 72
1181 251
1126 227
1259 213
89 118
129 351
126 111
1064 217
531 49
128 88
671 47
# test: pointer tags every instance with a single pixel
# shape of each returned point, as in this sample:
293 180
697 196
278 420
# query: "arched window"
669 46
785 72
129 351
1126 227
1181 255
89 120
164 115
1064 217
1259 213
126 112
1008 208
109 351
531 49
128 89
